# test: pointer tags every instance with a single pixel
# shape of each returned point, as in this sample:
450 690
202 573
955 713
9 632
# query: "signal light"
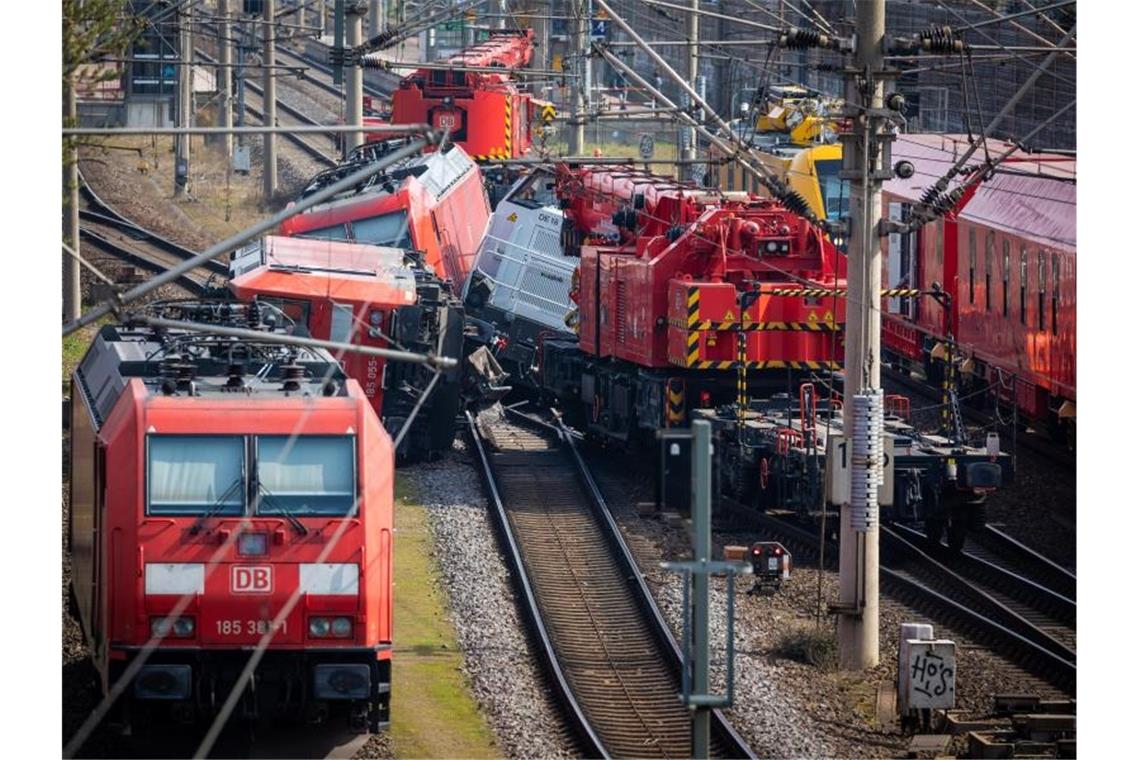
706 398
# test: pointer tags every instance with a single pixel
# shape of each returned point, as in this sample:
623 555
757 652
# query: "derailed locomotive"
228 493
726 307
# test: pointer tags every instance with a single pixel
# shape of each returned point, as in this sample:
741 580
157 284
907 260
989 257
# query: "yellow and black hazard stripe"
822 292
692 348
549 113
674 401
509 131
769 364
820 326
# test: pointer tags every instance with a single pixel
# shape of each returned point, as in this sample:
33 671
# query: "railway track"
112 234
1051 613
914 578
611 659
320 74
323 148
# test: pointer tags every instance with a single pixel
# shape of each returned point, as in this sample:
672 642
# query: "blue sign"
598 29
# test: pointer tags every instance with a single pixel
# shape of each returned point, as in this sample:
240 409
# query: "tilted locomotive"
381 264
368 295
434 203
224 493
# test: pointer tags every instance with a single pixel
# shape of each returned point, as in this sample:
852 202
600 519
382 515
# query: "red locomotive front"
229 498
474 98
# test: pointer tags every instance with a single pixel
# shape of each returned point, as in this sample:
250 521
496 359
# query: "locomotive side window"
1023 275
306 475
1056 288
1040 290
989 266
195 475
1005 278
973 260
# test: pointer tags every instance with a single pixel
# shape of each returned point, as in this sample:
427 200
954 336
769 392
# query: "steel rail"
1010 644
730 742
563 693
900 540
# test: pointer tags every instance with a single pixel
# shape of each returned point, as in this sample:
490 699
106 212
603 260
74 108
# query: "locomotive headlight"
375 318
319 627
342 627
772 246
182 627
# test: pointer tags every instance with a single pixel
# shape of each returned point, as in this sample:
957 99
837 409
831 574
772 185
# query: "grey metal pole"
702 552
322 13
859 551
185 105
578 36
269 90
689 140
226 110
72 293
354 77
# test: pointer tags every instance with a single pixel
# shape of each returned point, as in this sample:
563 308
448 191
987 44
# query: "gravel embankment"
785 707
498 660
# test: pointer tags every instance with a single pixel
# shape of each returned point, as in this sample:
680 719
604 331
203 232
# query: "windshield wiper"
278 506
215 508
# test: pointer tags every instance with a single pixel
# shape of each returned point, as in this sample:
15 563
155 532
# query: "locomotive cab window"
387 229
195 475
335 232
308 475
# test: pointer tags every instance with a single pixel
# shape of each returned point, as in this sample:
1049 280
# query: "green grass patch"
433 711
810 645
74 347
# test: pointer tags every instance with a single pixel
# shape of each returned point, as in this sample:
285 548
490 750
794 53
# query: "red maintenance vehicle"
434 203
367 295
685 300
730 308
1005 258
475 96
227 493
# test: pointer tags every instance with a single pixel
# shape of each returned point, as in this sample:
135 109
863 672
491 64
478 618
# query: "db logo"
446 121
251 580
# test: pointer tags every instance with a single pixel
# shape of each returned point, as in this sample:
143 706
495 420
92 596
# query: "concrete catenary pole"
578 44
185 105
689 135
269 88
322 13
859 550
354 75
702 552
377 17
72 295
226 104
